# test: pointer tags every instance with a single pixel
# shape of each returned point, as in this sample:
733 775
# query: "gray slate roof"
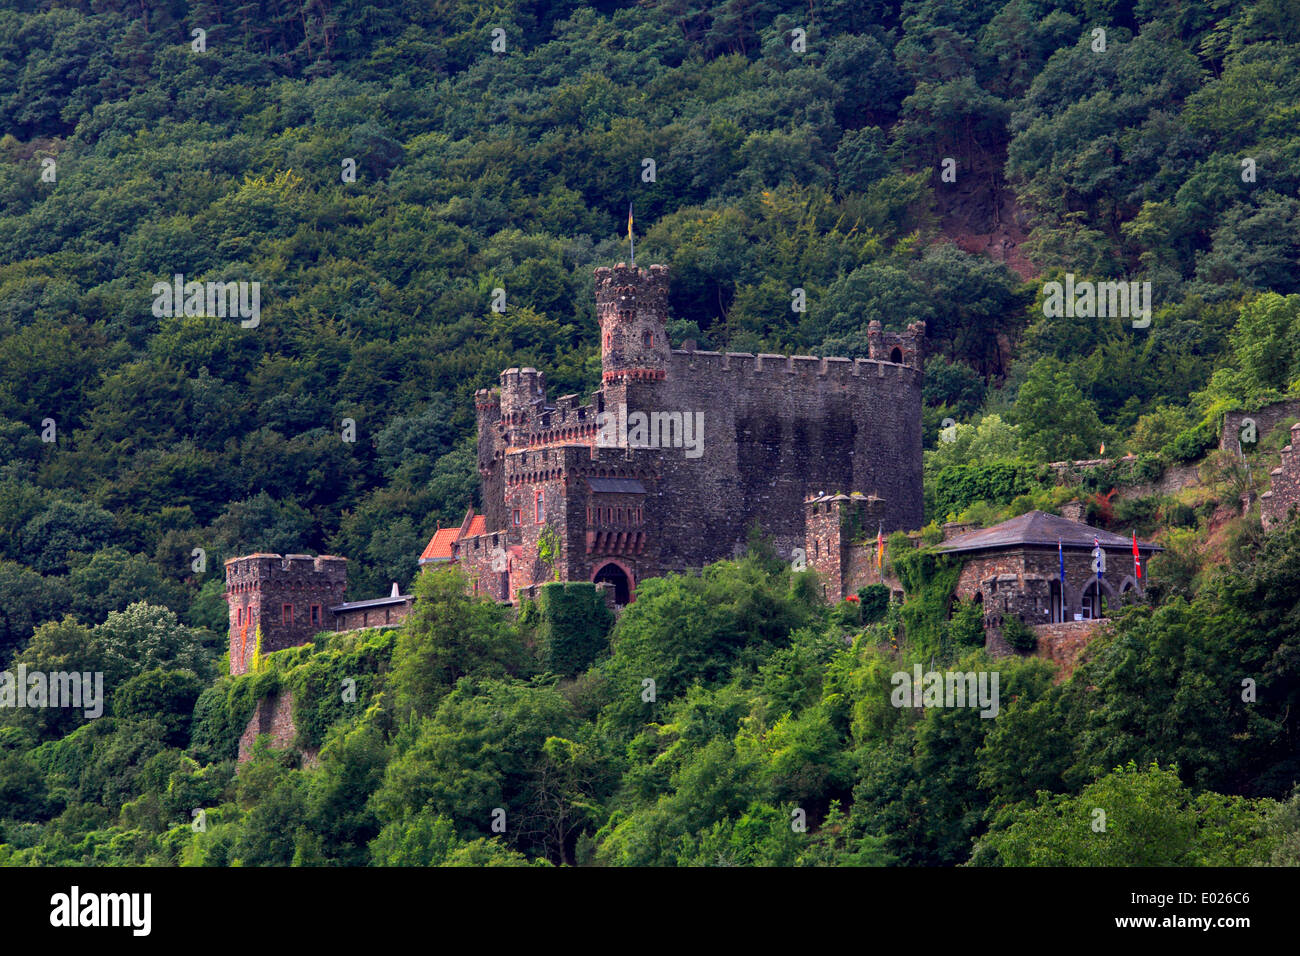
1041 528
374 602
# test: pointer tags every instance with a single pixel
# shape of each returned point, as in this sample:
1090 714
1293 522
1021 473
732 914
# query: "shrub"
957 487
967 625
1018 636
875 602
1192 443
573 626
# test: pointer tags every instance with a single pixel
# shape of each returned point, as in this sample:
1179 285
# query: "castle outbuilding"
840 541
681 451
1015 569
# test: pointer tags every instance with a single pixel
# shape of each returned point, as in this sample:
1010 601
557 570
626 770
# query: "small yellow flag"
629 220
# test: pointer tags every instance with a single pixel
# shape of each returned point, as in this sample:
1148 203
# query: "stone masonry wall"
381 616
1063 643
776 430
274 717
1284 488
1266 419
287 596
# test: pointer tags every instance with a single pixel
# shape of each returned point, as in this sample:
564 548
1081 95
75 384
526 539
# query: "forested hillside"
938 161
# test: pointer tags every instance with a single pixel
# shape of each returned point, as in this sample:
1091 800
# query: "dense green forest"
937 160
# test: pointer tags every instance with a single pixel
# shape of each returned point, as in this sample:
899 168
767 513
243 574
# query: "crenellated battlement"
629 289
279 600
700 446
808 367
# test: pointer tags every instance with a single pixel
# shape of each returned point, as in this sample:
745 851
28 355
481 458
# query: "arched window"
648 339
896 356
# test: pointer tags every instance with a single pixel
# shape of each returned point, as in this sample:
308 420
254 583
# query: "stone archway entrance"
1094 602
615 574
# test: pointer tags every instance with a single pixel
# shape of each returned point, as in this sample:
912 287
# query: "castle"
677 455
680 451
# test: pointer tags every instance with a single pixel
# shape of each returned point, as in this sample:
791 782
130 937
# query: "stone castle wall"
775 430
1284 486
273 717
1266 419
1063 643
287 596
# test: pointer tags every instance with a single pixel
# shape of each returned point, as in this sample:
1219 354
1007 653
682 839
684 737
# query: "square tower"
281 601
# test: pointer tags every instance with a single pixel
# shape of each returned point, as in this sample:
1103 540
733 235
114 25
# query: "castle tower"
632 306
491 455
833 525
285 597
523 394
901 348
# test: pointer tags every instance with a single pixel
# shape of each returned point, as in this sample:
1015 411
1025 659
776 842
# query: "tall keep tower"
284 600
632 305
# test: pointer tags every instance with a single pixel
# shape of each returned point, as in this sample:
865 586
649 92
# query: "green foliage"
1192 443
447 636
1131 817
573 626
967 625
339 683
1057 422
686 629
874 600
988 441
957 487
775 172
165 696
1018 636
929 579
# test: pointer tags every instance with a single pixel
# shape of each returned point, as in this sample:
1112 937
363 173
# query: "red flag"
1137 559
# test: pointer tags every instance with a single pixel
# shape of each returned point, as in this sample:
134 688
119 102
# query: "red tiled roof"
439 546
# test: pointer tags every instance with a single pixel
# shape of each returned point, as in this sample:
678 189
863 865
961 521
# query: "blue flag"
1061 555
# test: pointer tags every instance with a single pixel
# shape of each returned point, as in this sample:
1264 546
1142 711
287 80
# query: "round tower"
632 305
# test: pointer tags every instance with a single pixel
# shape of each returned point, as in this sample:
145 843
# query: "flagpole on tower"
630 237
